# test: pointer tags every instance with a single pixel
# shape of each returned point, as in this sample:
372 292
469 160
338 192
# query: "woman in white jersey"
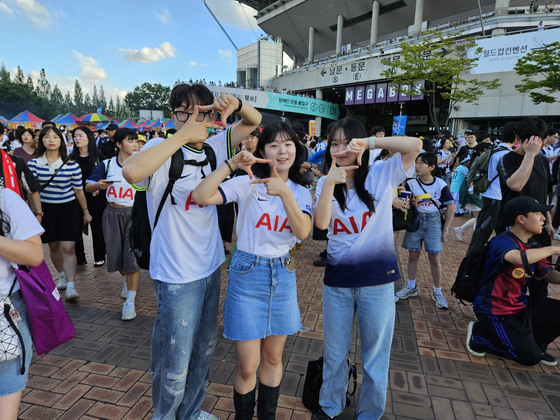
116 217
355 204
62 192
261 307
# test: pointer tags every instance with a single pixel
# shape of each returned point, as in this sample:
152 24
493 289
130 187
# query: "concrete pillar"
311 46
339 27
319 95
374 24
418 16
502 7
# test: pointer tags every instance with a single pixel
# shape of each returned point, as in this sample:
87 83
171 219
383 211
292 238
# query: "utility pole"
218 22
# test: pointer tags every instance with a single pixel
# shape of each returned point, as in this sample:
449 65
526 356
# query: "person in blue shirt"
512 324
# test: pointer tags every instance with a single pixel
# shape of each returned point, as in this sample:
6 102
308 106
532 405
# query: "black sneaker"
322 261
82 263
323 254
547 359
321 415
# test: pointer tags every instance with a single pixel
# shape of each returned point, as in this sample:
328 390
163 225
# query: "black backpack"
468 281
140 233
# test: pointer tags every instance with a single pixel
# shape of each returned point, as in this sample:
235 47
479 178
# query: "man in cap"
512 324
109 149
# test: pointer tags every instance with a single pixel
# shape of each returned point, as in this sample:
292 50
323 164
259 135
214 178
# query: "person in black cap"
109 149
512 324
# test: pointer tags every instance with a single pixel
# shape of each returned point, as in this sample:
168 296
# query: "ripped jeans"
183 343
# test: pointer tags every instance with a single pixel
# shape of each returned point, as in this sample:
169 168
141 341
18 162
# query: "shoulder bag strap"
433 201
46 184
523 253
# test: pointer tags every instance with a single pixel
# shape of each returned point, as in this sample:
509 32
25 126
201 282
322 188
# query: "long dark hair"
352 129
268 135
93 152
62 150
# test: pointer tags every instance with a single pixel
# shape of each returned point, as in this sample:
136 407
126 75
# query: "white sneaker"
440 300
128 311
71 293
124 290
469 339
458 233
203 415
557 236
407 292
61 285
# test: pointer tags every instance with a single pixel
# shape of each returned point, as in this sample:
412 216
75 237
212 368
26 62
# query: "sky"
121 44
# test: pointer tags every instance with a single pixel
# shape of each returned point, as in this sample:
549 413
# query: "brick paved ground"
104 371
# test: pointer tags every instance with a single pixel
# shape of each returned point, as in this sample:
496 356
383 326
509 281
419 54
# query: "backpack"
469 276
478 172
140 232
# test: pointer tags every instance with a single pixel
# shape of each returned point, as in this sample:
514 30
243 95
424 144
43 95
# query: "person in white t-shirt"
431 195
186 249
355 205
261 307
377 131
445 159
116 217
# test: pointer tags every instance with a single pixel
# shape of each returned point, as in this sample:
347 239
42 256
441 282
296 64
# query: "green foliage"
442 62
148 96
544 66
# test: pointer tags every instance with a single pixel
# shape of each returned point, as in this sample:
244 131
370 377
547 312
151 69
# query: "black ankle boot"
244 405
268 402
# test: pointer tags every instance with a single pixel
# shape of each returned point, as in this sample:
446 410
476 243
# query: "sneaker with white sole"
128 311
61 285
459 233
124 290
203 415
407 292
98 263
440 300
547 359
469 340
71 293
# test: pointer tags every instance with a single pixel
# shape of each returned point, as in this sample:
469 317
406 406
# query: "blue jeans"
183 343
375 308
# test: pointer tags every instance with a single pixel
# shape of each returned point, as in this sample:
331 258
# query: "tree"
440 61
4 74
43 86
111 108
78 98
95 98
30 83
148 96
69 105
544 62
20 77
57 105
102 99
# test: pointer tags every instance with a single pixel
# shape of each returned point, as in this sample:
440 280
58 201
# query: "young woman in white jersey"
355 205
261 307
116 217
62 192
431 194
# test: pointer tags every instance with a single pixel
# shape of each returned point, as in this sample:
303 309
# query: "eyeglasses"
183 116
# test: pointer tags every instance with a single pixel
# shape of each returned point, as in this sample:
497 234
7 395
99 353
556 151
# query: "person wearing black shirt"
524 172
108 149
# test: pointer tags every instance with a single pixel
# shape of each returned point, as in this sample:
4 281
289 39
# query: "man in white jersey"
186 249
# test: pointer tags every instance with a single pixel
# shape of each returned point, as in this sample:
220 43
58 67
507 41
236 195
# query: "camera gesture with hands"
244 160
338 174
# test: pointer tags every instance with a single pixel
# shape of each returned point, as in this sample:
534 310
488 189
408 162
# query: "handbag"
442 210
11 341
49 322
314 381
241 226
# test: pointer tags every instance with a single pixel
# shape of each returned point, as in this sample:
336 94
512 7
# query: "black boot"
268 402
244 405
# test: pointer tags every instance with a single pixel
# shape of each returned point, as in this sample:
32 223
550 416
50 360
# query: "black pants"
226 216
486 222
96 209
522 337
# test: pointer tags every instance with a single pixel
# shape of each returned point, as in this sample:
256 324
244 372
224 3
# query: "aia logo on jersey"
350 225
190 202
273 224
120 193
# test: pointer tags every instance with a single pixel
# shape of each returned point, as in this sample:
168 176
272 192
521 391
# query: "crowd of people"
265 175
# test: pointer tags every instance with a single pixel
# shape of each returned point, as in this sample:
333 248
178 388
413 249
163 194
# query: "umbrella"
94 118
129 124
26 116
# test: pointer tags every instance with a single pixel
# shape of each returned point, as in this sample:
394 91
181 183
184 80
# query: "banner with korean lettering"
501 53
281 102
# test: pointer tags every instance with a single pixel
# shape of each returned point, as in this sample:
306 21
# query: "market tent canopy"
57 117
102 126
67 119
154 123
26 116
3 120
94 118
169 123
129 124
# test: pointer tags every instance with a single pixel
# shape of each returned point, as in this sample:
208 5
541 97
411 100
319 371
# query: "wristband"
372 143
228 165
240 105
38 213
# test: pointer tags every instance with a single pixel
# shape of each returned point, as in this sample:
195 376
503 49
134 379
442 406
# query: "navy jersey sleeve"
446 197
98 174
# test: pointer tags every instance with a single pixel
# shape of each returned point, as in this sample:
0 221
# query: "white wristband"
372 143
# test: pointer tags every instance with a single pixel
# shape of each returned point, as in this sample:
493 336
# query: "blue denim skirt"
261 298
11 379
429 233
